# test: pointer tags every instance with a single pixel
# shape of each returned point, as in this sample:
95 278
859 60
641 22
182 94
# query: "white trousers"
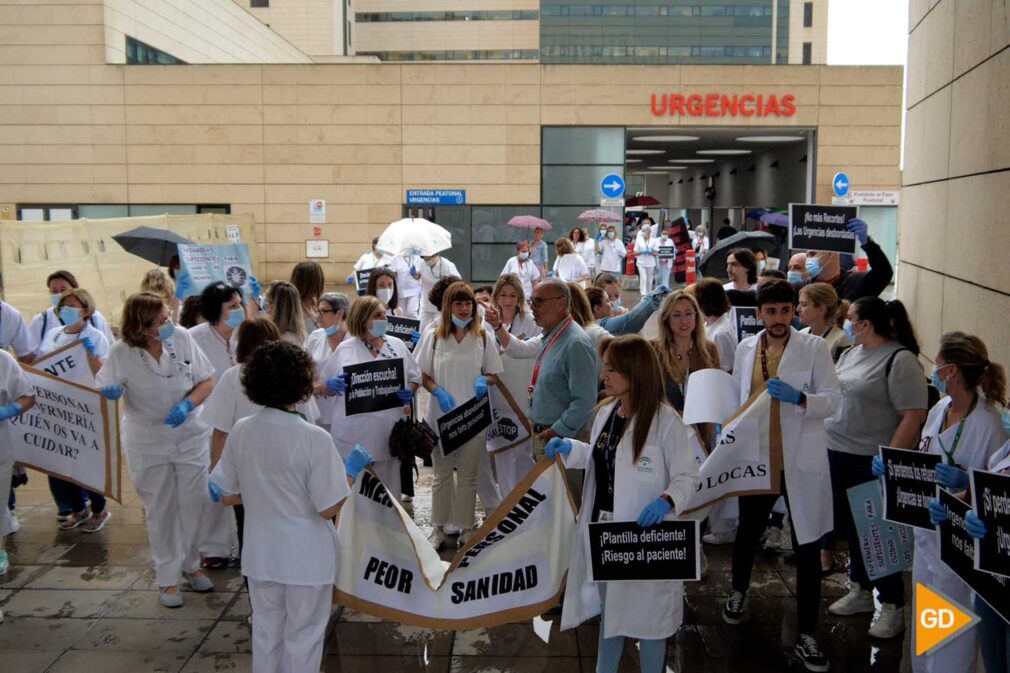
174 495
218 536
411 306
645 277
959 654
663 275
511 466
288 626
388 472
454 501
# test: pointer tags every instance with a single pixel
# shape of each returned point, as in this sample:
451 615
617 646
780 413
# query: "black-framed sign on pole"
822 228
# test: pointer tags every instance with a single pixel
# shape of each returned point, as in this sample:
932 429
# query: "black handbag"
410 439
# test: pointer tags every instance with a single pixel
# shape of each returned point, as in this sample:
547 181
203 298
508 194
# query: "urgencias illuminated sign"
722 105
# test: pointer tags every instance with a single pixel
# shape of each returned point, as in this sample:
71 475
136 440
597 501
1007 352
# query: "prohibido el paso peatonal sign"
909 485
823 228
990 494
372 386
512 569
624 551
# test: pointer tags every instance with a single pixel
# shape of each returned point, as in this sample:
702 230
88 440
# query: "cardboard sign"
361 279
509 427
401 328
373 386
958 551
69 363
990 494
909 485
463 423
623 551
823 228
747 322
886 547
667 252
206 264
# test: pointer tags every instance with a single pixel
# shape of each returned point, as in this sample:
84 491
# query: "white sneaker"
438 539
464 537
15 524
406 498
856 602
888 622
725 537
771 540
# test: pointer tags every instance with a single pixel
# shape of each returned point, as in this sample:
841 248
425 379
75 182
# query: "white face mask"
384 294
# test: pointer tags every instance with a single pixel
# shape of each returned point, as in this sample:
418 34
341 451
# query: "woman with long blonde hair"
681 345
284 306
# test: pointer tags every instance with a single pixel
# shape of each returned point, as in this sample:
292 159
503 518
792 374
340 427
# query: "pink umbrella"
529 222
599 215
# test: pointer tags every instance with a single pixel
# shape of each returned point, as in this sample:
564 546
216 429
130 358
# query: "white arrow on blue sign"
612 186
840 184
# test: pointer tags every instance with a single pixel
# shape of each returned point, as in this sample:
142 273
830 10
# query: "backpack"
932 394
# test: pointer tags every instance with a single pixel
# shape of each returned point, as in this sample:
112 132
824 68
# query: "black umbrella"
155 245
713 264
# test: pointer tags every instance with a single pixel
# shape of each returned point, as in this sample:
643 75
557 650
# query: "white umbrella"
414 235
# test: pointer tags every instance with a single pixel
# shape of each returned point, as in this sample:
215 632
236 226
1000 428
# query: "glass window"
489 223
457 220
583 145
97 212
139 53
171 209
808 14
259 3
647 10
807 53
713 10
575 185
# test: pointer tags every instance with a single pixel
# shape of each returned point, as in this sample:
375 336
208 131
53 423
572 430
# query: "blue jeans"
608 657
70 497
993 637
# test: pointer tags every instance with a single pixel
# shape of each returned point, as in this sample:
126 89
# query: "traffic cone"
690 270
629 261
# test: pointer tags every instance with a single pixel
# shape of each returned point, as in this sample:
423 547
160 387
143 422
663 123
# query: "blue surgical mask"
794 277
847 328
616 303
462 324
166 331
378 328
611 235
524 256
761 265
937 382
69 315
55 299
813 267
235 318
330 331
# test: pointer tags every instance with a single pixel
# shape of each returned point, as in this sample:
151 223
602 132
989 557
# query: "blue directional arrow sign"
612 186
840 184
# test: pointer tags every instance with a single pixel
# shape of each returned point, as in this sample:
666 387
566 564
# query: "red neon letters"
721 105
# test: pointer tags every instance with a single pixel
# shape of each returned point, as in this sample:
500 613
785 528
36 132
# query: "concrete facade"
956 181
316 27
816 34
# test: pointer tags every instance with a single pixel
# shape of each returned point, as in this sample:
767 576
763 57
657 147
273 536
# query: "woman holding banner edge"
17 395
640 465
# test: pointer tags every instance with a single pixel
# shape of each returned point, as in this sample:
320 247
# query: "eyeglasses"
536 302
326 310
689 315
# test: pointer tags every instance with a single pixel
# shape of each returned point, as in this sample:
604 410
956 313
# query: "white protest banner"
72 433
509 425
512 569
749 452
206 264
711 397
69 363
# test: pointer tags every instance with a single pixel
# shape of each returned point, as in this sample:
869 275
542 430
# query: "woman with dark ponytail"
884 402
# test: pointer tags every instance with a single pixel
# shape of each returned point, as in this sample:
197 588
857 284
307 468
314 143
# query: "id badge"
605 516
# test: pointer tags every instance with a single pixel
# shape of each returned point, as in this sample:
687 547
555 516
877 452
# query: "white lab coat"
318 346
527 272
722 332
646 251
15 384
571 266
639 609
14 333
217 349
370 261
228 403
613 254
58 338
806 365
981 439
46 320
587 250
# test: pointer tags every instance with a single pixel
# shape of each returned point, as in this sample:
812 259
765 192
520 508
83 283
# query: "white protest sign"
206 264
509 425
72 433
513 568
711 397
69 363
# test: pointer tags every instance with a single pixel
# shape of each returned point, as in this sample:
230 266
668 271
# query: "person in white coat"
372 259
17 395
664 267
585 247
367 327
719 325
797 371
640 466
435 268
646 258
523 268
612 252
408 283
965 428
163 376
285 471
57 283
322 344
14 333
569 265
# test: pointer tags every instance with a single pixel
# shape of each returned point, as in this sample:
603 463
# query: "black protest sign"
909 485
747 322
361 279
816 227
990 494
624 551
957 550
373 386
463 423
402 328
667 252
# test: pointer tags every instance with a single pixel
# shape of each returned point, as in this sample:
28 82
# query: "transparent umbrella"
414 235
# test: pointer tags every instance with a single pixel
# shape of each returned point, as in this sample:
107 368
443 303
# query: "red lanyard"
764 354
550 344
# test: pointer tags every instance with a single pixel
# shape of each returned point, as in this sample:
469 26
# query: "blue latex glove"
183 284
10 411
350 279
255 291
177 416
215 491
406 395
480 387
550 274
113 391
951 478
878 466
445 401
656 296
654 513
89 345
974 525
937 513
357 461
415 336
557 446
783 392
337 385
413 271
858 227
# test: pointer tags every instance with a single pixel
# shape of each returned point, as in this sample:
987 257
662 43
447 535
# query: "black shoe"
809 652
735 610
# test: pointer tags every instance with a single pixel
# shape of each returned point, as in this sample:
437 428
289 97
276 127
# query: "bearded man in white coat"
795 369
